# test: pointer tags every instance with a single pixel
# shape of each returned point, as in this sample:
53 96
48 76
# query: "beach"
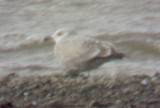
62 91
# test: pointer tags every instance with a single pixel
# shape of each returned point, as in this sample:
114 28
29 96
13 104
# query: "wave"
13 42
147 40
131 35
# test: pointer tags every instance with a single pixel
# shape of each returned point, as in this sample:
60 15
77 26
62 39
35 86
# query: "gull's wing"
74 52
95 48
81 49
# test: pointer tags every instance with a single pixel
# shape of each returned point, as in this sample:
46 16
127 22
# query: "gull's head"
61 33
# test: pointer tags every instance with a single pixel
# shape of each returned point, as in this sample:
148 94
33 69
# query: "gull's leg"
88 75
73 73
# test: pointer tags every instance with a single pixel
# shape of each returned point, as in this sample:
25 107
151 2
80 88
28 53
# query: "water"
133 26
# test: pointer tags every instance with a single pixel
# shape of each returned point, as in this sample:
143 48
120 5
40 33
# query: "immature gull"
81 53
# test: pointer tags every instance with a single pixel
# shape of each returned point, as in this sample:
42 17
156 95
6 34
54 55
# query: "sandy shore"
60 91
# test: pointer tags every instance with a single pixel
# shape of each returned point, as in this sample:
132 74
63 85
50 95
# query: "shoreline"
62 91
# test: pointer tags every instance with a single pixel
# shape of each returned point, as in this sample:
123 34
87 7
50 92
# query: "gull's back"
75 52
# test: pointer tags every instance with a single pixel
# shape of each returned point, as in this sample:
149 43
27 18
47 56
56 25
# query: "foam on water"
11 42
36 56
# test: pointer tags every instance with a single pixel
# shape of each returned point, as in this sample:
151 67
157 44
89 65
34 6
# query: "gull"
81 53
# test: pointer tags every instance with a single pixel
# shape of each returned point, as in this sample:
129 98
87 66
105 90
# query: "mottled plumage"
81 53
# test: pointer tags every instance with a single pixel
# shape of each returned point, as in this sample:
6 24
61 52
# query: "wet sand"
62 91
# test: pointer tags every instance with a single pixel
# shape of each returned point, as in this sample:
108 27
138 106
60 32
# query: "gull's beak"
48 38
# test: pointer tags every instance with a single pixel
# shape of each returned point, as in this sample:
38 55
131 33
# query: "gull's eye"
59 33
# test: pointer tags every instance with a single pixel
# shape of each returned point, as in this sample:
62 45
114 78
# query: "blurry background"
132 25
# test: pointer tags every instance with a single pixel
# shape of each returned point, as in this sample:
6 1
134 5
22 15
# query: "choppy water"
132 25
